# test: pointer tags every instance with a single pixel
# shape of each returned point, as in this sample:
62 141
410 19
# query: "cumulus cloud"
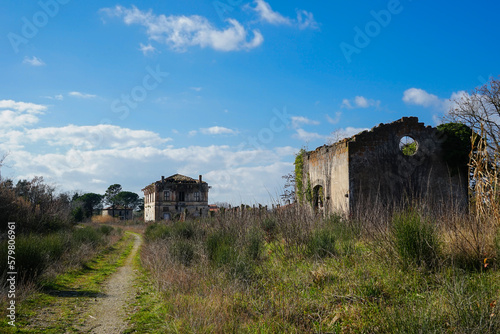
359 102
82 95
420 97
19 114
33 61
182 32
147 49
266 14
304 135
218 130
305 20
335 120
297 121
96 136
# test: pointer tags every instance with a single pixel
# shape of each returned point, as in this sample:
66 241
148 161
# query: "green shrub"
270 227
182 251
106 229
255 244
87 235
33 254
415 240
321 243
157 231
220 248
184 229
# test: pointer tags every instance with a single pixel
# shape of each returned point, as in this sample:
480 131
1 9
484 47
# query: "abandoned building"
175 196
391 164
118 212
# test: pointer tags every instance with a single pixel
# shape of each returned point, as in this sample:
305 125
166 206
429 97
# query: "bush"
33 254
255 245
157 231
184 229
106 229
182 251
321 243
270 227
220 248
87 235
415 240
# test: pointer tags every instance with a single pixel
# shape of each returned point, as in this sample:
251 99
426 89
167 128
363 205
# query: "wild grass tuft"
416 240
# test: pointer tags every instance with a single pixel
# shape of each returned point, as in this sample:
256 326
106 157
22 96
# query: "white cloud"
192 133
302 134
82 95
33 61
335 120
97 136
196 89
420 97
147 49
299 120
360 102
268 15
58 97
218 130
19 114
347 132
181 32
305 20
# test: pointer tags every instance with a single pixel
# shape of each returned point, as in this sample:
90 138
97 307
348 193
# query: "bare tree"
480 110
2 159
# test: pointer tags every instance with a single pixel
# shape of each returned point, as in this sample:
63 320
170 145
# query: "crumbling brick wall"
371 169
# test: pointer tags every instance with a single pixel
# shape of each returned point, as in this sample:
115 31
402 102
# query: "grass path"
91 300
108 315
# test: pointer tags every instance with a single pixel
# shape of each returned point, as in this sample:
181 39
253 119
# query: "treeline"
36 207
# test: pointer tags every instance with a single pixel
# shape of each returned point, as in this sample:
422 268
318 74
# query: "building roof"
178 178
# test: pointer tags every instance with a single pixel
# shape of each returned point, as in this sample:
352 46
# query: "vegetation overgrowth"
295 271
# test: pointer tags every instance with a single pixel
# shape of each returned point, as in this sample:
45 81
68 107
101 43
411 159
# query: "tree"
289 188
90 202
110 197
457 145
480 110
128 199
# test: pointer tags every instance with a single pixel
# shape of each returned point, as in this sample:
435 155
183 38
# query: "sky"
102 92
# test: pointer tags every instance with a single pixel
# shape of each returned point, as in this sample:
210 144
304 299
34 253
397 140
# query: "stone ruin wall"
370 169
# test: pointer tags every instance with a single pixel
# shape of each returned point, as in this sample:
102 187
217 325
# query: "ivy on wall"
299 173
299 177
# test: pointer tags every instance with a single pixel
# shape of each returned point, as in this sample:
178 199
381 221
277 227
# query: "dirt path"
108 315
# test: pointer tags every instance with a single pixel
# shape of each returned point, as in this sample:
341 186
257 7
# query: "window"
408 145
166 196
181 196
197 196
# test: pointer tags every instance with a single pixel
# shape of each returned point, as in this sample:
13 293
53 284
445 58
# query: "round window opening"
408 145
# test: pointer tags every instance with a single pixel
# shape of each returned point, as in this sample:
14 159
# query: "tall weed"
416 240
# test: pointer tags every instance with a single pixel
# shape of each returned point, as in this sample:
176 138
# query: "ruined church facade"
389 165
175 196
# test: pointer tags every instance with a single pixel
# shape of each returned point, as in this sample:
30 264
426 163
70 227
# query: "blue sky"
102 92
